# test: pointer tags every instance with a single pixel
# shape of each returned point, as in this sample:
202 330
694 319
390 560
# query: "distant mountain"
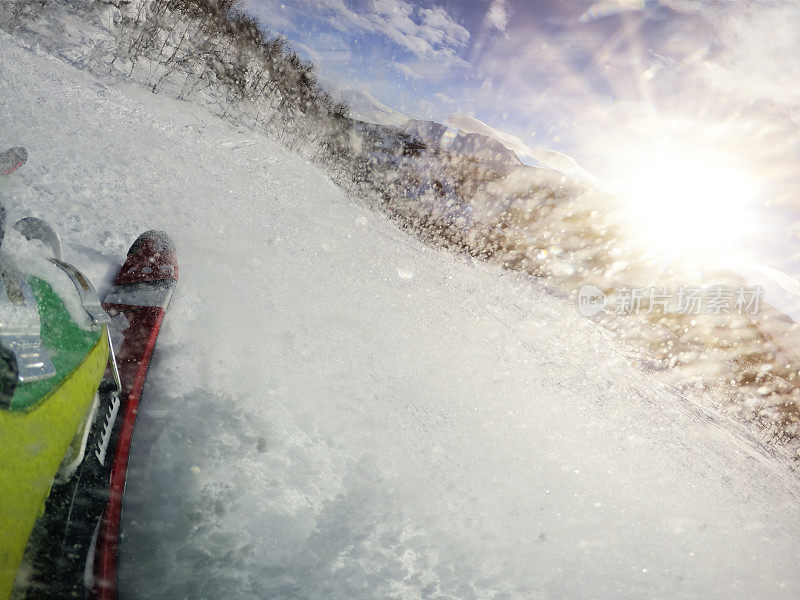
483 148
363 105
469 124
425 130
366 107
542 157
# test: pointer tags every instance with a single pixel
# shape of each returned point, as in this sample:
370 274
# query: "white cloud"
687 7
443 28
758 60
605 8
273 14
425 32
312 54
497 15
406 70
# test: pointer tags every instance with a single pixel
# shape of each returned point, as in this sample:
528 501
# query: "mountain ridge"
486 149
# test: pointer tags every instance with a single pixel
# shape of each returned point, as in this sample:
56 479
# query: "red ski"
74 549
137 304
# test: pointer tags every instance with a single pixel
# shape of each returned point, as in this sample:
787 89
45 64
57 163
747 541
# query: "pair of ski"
74 547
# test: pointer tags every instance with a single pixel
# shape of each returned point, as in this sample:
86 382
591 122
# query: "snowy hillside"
541 157
338 411
485 149
465 135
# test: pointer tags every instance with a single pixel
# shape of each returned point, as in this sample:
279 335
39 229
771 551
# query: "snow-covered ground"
336 411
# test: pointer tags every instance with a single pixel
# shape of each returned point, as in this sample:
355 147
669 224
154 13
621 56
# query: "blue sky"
611 83
580 77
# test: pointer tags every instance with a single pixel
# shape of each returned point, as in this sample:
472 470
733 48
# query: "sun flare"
694 207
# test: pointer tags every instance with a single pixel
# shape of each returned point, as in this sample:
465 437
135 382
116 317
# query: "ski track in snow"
336 411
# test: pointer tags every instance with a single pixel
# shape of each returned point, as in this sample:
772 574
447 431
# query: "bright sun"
689 206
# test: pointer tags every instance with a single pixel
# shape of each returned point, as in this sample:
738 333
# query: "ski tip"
152 258
20 153
158 242
12 159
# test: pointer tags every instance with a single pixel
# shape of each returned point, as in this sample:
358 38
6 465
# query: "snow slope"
337 411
